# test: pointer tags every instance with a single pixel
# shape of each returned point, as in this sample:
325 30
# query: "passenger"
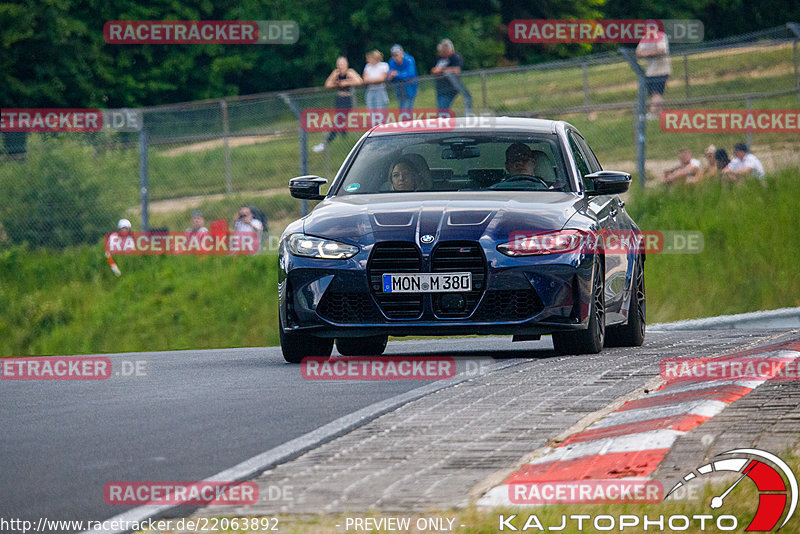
405 176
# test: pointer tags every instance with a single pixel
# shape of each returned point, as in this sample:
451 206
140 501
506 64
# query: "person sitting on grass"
743 164
689 168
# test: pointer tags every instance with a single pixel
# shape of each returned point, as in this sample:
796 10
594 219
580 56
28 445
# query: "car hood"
458 215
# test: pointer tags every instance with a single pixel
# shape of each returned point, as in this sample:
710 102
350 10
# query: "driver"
520 160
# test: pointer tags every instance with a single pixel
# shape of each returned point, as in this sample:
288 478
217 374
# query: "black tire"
632 333
362 346
295 347
589 341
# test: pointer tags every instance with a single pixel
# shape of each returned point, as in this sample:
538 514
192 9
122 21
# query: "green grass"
71 303
750 261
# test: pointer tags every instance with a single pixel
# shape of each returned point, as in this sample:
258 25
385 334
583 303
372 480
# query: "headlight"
560 242
316 247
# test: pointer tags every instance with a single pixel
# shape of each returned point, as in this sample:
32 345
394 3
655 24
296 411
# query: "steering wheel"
529 177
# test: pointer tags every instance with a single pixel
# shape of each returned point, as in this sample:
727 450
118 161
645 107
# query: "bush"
54 197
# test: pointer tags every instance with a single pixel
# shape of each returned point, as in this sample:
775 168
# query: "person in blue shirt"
403 72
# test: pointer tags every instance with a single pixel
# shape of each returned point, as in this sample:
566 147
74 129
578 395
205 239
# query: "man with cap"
122 239
743 164
403 72
198 223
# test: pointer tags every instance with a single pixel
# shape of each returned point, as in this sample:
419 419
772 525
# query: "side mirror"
307 187
607 182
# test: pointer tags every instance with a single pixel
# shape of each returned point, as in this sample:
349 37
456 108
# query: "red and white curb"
628 445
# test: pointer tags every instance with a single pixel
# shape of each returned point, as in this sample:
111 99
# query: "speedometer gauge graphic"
773 494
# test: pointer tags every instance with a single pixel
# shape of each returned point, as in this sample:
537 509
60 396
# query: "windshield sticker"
352 187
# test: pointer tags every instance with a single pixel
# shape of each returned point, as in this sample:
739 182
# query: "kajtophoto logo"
770 475
774 480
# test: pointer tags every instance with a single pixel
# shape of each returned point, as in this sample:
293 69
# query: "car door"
607 210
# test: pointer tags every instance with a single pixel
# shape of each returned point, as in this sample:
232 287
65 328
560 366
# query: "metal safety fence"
217 155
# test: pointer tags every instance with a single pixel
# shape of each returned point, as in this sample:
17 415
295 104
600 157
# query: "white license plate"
427 283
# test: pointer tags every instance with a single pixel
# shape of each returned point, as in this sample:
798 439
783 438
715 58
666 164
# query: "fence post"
144 179
303 145
795 29
484 94
640 129
585 70
686 74
748 105
226 146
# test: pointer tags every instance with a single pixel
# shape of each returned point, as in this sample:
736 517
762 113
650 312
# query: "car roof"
475 124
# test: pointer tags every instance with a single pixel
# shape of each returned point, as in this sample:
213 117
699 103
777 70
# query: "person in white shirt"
375 72
246 222
743 164
688 169
198 223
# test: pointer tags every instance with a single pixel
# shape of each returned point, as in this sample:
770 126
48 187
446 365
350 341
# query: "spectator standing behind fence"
198 223
687 169
375 72
246 222
655 50
344 79
448 84
743 164
403 73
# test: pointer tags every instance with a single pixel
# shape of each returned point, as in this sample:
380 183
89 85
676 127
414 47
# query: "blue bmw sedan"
468 226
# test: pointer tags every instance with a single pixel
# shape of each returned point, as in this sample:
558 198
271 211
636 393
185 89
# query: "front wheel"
589 341
632 333
295 346
362 346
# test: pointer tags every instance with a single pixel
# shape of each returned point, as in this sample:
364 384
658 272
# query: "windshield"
457 162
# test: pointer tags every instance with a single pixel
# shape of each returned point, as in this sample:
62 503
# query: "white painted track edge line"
290 450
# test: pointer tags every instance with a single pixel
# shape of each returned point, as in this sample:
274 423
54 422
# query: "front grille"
452 257
344 308
395 257
509 305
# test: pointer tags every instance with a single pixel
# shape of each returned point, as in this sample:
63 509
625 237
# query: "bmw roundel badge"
427 238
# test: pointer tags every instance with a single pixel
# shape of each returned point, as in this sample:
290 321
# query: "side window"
580 162
591 159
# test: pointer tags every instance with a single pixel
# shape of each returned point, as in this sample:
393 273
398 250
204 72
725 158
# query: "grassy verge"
70 303
750 260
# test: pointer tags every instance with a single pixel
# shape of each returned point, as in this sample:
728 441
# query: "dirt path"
172 205
233 142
